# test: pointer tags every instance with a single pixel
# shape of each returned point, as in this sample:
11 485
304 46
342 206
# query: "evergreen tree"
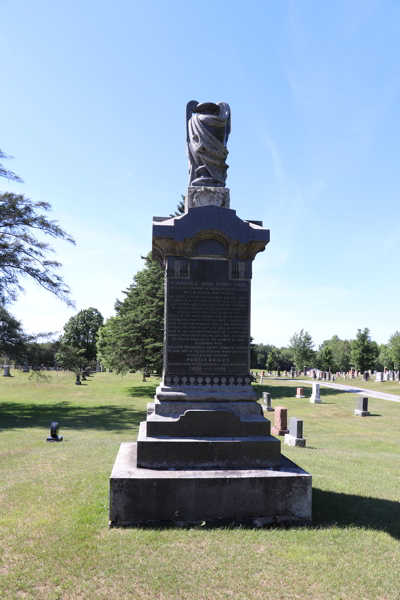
13 340
364 352
22 254
134 338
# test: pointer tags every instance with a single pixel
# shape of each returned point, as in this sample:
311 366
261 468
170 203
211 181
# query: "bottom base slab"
139 496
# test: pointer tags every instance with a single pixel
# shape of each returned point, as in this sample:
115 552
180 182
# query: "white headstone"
315 396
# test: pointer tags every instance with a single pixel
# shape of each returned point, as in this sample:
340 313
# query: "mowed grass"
388 387
54 536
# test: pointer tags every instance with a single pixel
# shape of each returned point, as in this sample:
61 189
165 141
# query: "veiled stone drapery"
207 138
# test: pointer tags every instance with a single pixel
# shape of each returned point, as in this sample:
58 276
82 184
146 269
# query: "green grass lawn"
54 536
389 387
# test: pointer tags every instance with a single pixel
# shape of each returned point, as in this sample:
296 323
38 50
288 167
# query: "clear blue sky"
93 97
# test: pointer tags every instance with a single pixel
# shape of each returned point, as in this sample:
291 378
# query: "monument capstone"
205 442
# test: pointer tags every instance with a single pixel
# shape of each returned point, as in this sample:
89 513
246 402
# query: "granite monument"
205 443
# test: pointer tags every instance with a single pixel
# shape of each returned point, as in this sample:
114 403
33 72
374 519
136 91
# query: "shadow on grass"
141 391
17 416
329 509
347 510
286 391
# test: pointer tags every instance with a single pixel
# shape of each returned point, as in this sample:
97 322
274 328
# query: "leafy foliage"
394 348
70 358
302 348
133 339
80 333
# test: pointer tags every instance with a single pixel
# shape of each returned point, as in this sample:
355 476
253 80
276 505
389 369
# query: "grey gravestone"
362 407
7 371
295 435
26 367
78 379
207 429
267 401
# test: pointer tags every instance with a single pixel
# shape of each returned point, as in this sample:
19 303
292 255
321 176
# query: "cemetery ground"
54 535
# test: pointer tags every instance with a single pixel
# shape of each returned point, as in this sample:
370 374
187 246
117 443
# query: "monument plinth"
206 449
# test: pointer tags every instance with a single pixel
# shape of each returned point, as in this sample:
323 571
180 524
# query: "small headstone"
292 374
295 435
26 367
300 393
365 376
54 430
280 421
83 376
267 401
315 396
362 407
78 379
7 371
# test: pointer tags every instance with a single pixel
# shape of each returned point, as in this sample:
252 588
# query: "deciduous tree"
80 332
302 348
394 348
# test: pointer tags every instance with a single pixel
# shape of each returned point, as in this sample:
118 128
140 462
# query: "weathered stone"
207 196
6 371
295 435
150 495
205 418
280 421
300 392
362 407
267 402
208 128
315 396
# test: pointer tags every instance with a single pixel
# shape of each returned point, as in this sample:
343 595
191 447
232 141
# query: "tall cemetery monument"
205 451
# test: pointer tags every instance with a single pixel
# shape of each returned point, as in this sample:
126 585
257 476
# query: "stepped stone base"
361 413
205 393
273 495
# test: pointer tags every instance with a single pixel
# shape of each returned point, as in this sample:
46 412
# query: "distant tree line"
335 354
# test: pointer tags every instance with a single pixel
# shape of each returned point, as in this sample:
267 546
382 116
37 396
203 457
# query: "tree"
364 352
271 361
8 174
341 353
70 358
134 338
180 209
324 357
13 340
22 253
80 332
302 348
394 349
